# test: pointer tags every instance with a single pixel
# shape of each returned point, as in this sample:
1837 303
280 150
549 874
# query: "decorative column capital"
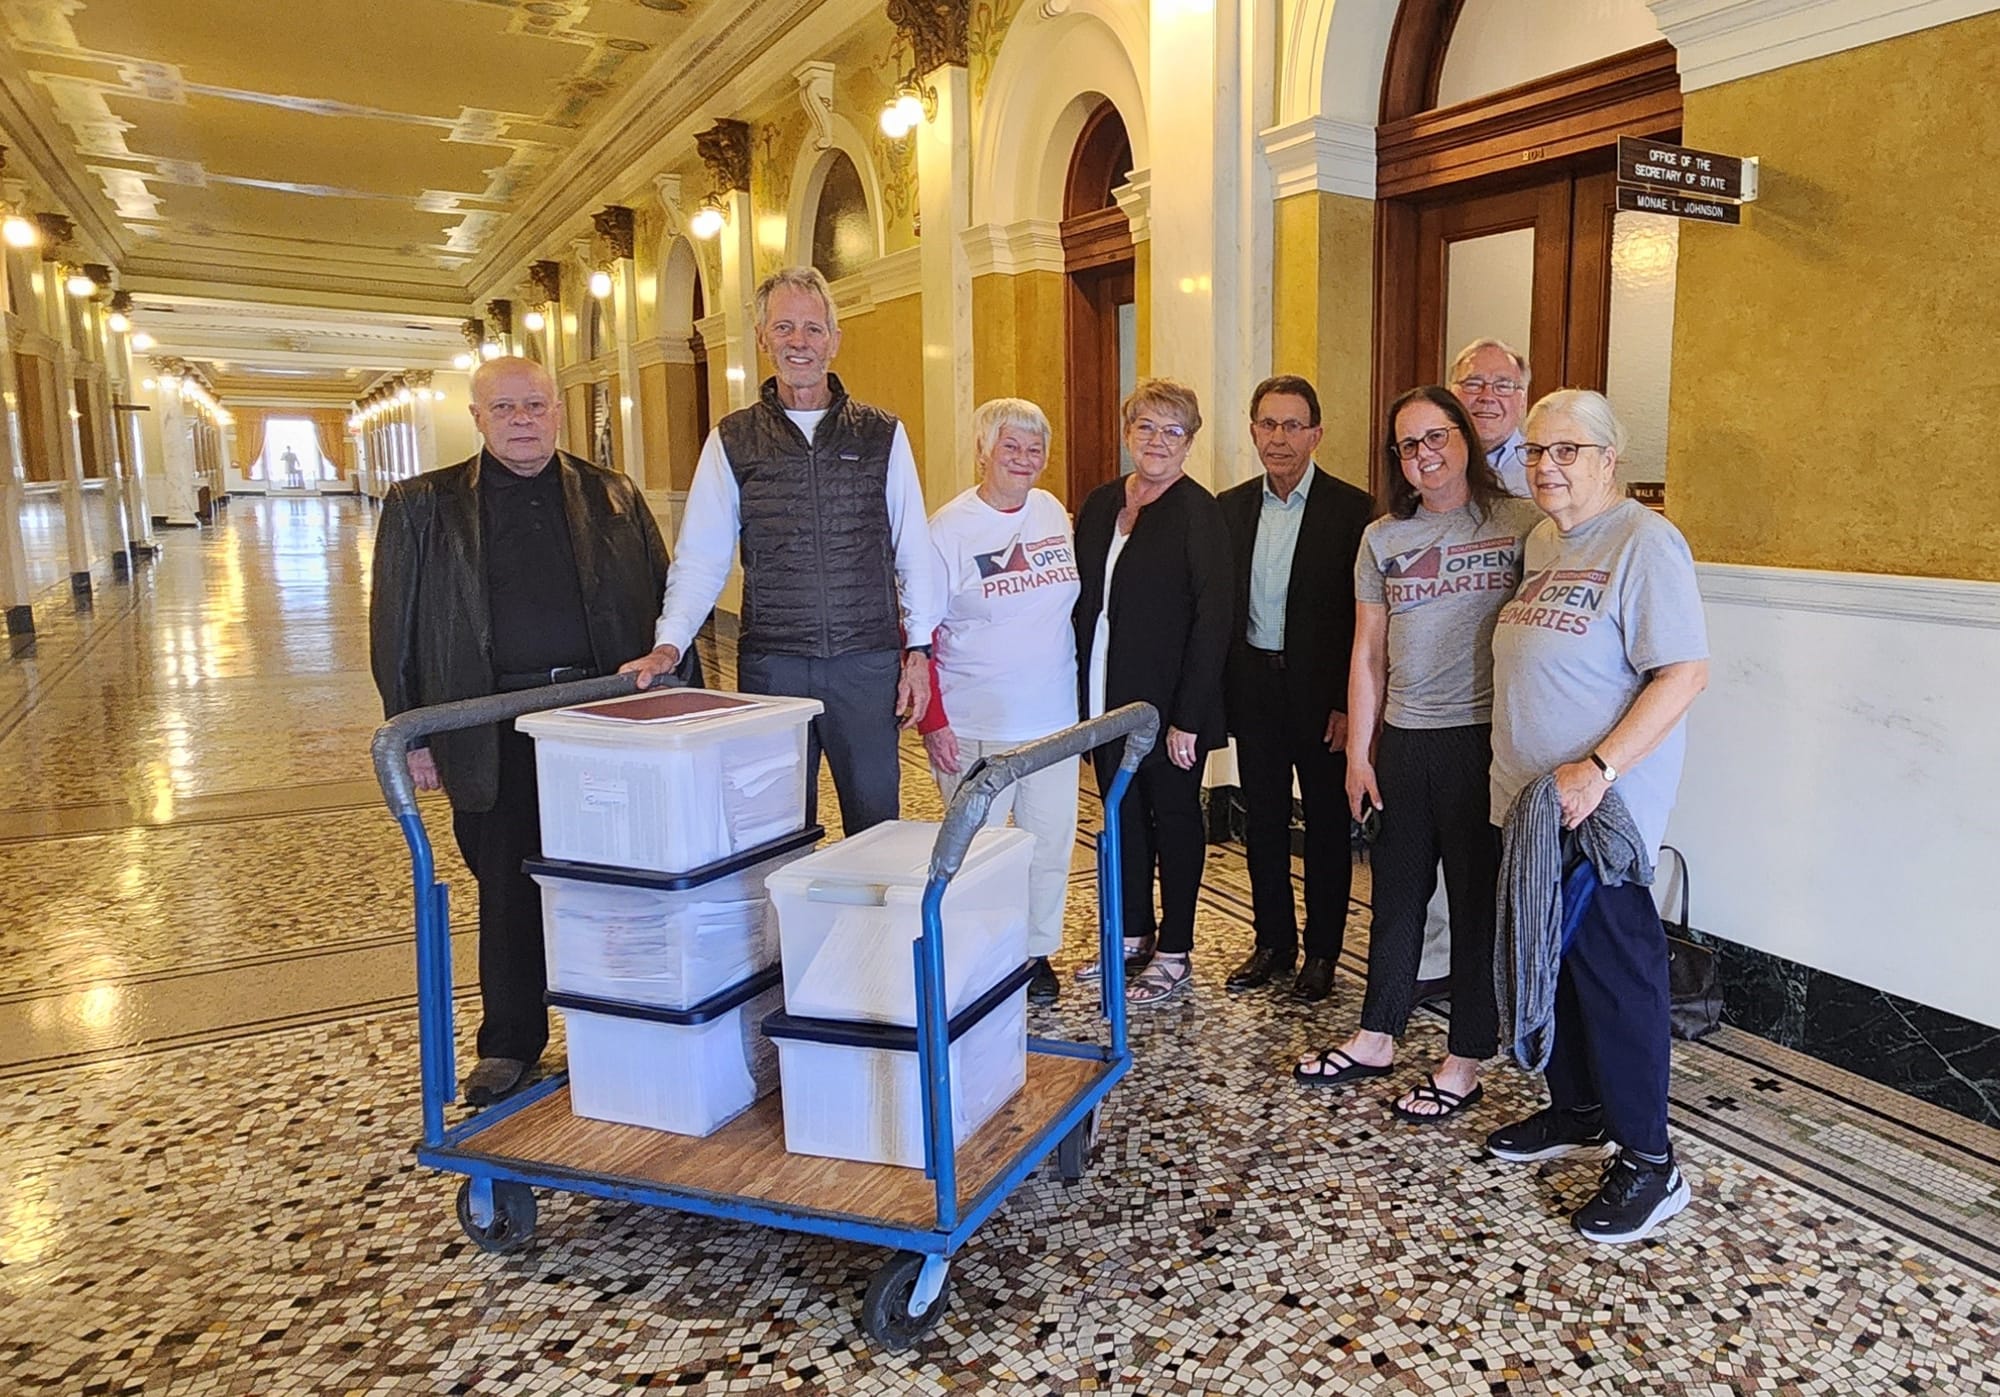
474 332
935 30
546 277
419 378
501 313
725 149
614 224
56 231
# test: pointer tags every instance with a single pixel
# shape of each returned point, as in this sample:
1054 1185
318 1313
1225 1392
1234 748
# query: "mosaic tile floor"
236 1210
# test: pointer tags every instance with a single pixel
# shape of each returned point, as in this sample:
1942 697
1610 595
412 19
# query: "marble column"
64 419
118 537
179 467
1203 244
16 598
128 443
423 423
739 290
944 206
631 411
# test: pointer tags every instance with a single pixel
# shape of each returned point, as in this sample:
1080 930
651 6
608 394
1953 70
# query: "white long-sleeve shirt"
712 527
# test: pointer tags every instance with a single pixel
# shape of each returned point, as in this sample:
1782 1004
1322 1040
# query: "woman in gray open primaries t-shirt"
1428 581
1596 661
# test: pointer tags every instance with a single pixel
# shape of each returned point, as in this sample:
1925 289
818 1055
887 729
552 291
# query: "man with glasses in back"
521 567
1491 379
1294 531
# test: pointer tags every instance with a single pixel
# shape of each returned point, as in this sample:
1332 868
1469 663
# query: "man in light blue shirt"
1491 378
1293 532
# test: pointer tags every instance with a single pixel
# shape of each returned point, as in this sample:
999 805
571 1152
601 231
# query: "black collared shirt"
532 590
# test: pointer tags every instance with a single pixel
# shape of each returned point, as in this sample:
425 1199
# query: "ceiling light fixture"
707 220
600 283
19 232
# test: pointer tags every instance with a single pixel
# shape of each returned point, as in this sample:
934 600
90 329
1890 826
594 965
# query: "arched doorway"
1497 215
1101 311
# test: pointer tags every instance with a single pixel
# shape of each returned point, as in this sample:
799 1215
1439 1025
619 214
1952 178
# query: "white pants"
1044 804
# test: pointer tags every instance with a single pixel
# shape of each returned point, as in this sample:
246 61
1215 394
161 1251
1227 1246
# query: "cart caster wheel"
886 1310
512 1225
1073 1154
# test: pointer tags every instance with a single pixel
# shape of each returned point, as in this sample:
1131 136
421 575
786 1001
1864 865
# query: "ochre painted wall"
1327 242
1018 352
881 362
653 410
1822 411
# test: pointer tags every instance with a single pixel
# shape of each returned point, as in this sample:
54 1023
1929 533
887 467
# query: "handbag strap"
1681 925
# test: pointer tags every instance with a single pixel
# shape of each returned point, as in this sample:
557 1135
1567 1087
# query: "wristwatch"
923 650
1610 771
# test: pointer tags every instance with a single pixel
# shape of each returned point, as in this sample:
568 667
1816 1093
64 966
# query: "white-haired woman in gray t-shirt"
1596 661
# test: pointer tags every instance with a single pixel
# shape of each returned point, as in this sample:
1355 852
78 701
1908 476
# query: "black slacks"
1280 731
1434 804
1159 828
513 976
857 730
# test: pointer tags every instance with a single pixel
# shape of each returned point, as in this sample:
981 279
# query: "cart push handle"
394 738
1137 723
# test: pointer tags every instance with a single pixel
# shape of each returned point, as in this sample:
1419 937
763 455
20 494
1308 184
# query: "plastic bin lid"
669 718
710 1009
855 1033
896 854
579 872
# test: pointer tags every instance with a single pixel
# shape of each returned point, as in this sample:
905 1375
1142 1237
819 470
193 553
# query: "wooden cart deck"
747 1157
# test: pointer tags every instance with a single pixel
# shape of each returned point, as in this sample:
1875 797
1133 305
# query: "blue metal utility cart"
743 1172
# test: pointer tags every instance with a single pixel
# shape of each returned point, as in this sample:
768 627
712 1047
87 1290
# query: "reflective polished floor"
208 1101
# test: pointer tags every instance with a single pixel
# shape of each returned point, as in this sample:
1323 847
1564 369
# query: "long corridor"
208 1092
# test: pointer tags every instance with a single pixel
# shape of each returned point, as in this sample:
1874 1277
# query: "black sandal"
1429 1090
1346 1070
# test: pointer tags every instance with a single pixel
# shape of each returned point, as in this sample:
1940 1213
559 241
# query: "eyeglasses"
1172 431
1498 387
506 408
1563 453
1271 426
1433 441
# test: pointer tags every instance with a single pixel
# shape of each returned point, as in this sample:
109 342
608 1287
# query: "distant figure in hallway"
1491 378
820 494
520 567
1293 532
295 478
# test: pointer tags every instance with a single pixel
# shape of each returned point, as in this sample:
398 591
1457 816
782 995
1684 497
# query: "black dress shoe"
1315 980
1263 966
1044 987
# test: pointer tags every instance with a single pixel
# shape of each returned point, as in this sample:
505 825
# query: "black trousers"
1280 731
1434 804
1614 1034
513 977
1160 828
857 731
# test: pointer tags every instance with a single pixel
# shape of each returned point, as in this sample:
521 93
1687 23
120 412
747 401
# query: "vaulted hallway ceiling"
371 156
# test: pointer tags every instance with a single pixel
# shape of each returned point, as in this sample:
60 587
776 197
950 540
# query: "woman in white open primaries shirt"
1005 653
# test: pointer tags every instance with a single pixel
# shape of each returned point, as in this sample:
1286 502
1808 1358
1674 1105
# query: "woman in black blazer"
1160 637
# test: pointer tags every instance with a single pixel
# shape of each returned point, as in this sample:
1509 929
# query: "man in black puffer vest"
822 495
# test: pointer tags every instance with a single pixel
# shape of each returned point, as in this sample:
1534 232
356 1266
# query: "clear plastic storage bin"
664 941
670 780
847 916
685 1070
852 1091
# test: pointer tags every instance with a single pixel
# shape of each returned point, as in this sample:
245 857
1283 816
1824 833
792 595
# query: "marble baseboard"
1928 1053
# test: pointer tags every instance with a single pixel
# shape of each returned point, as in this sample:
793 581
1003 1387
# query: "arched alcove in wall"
846 158
1101 300
1051 74
684 358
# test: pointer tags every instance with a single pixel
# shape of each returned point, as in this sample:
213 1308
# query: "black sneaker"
1633 1198
1547 1134
1044 987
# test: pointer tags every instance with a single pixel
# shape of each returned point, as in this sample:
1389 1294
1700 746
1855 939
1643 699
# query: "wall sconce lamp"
708 218
78 283
600 283
17 231
534 322
912 103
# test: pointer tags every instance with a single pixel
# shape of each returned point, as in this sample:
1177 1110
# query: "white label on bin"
600 791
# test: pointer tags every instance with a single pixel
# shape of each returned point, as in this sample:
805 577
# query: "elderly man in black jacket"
1294 531
520 567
